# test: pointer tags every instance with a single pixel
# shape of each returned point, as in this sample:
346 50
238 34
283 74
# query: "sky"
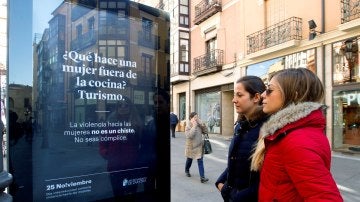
22 26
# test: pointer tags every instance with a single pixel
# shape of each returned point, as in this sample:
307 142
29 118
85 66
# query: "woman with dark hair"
293 154
237 182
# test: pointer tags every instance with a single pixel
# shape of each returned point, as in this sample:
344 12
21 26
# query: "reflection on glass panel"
209 110
346 61
184 10
346 119
78 128
304 59
182 107
184 2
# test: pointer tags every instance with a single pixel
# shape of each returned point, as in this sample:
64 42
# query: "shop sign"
352 98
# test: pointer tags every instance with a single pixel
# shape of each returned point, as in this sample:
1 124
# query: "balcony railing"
350 10
83 41
208 63
290 29
206 9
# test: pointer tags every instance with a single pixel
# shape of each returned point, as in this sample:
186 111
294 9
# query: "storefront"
346 95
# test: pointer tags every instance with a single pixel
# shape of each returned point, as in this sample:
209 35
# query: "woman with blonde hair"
293 154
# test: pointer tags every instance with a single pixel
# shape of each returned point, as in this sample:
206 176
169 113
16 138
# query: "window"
147 27
184 13
211 49
346 61
264 69
146 63
208 105
346 118
113 48
184 51
182 106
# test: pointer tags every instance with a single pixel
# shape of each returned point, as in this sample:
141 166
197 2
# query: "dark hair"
252 84
299 85
192 114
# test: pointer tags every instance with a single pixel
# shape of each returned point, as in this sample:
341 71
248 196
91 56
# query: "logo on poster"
134 181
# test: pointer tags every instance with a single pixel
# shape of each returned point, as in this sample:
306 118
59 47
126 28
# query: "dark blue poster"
83 122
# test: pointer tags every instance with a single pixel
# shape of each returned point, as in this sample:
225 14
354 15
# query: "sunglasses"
268 91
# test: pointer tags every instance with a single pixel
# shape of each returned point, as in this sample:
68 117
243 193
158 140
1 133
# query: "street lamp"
350 49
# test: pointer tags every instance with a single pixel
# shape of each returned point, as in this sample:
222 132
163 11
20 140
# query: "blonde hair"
257 158
297 86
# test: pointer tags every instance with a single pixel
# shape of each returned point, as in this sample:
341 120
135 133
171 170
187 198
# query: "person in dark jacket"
237 182
173 122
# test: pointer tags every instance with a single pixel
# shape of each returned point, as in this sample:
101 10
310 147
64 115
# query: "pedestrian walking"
293 153
194 145
237 182
173 122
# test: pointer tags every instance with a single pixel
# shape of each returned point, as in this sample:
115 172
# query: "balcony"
84 41
205 9
209 63
287 30
350 10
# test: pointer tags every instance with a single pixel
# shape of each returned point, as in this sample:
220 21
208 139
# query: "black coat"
240 184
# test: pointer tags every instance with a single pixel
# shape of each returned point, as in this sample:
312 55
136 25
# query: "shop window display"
209 110
347 120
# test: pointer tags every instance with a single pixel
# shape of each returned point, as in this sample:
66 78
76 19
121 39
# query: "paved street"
345 169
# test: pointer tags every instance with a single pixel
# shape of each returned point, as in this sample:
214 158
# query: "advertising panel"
84 126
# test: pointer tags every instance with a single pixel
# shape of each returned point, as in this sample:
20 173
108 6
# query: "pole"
5 177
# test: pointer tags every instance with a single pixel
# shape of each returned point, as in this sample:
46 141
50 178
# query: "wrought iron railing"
350 10
209 62
206 9
290 29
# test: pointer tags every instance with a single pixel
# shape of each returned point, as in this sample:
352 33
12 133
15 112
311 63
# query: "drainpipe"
322 44
322 16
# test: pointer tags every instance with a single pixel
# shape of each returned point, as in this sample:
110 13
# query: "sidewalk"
346 172
345 169
190 189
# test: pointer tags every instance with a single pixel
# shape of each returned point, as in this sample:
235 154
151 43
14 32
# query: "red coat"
297 160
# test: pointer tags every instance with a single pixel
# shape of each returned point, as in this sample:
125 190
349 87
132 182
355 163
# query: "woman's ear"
257 98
